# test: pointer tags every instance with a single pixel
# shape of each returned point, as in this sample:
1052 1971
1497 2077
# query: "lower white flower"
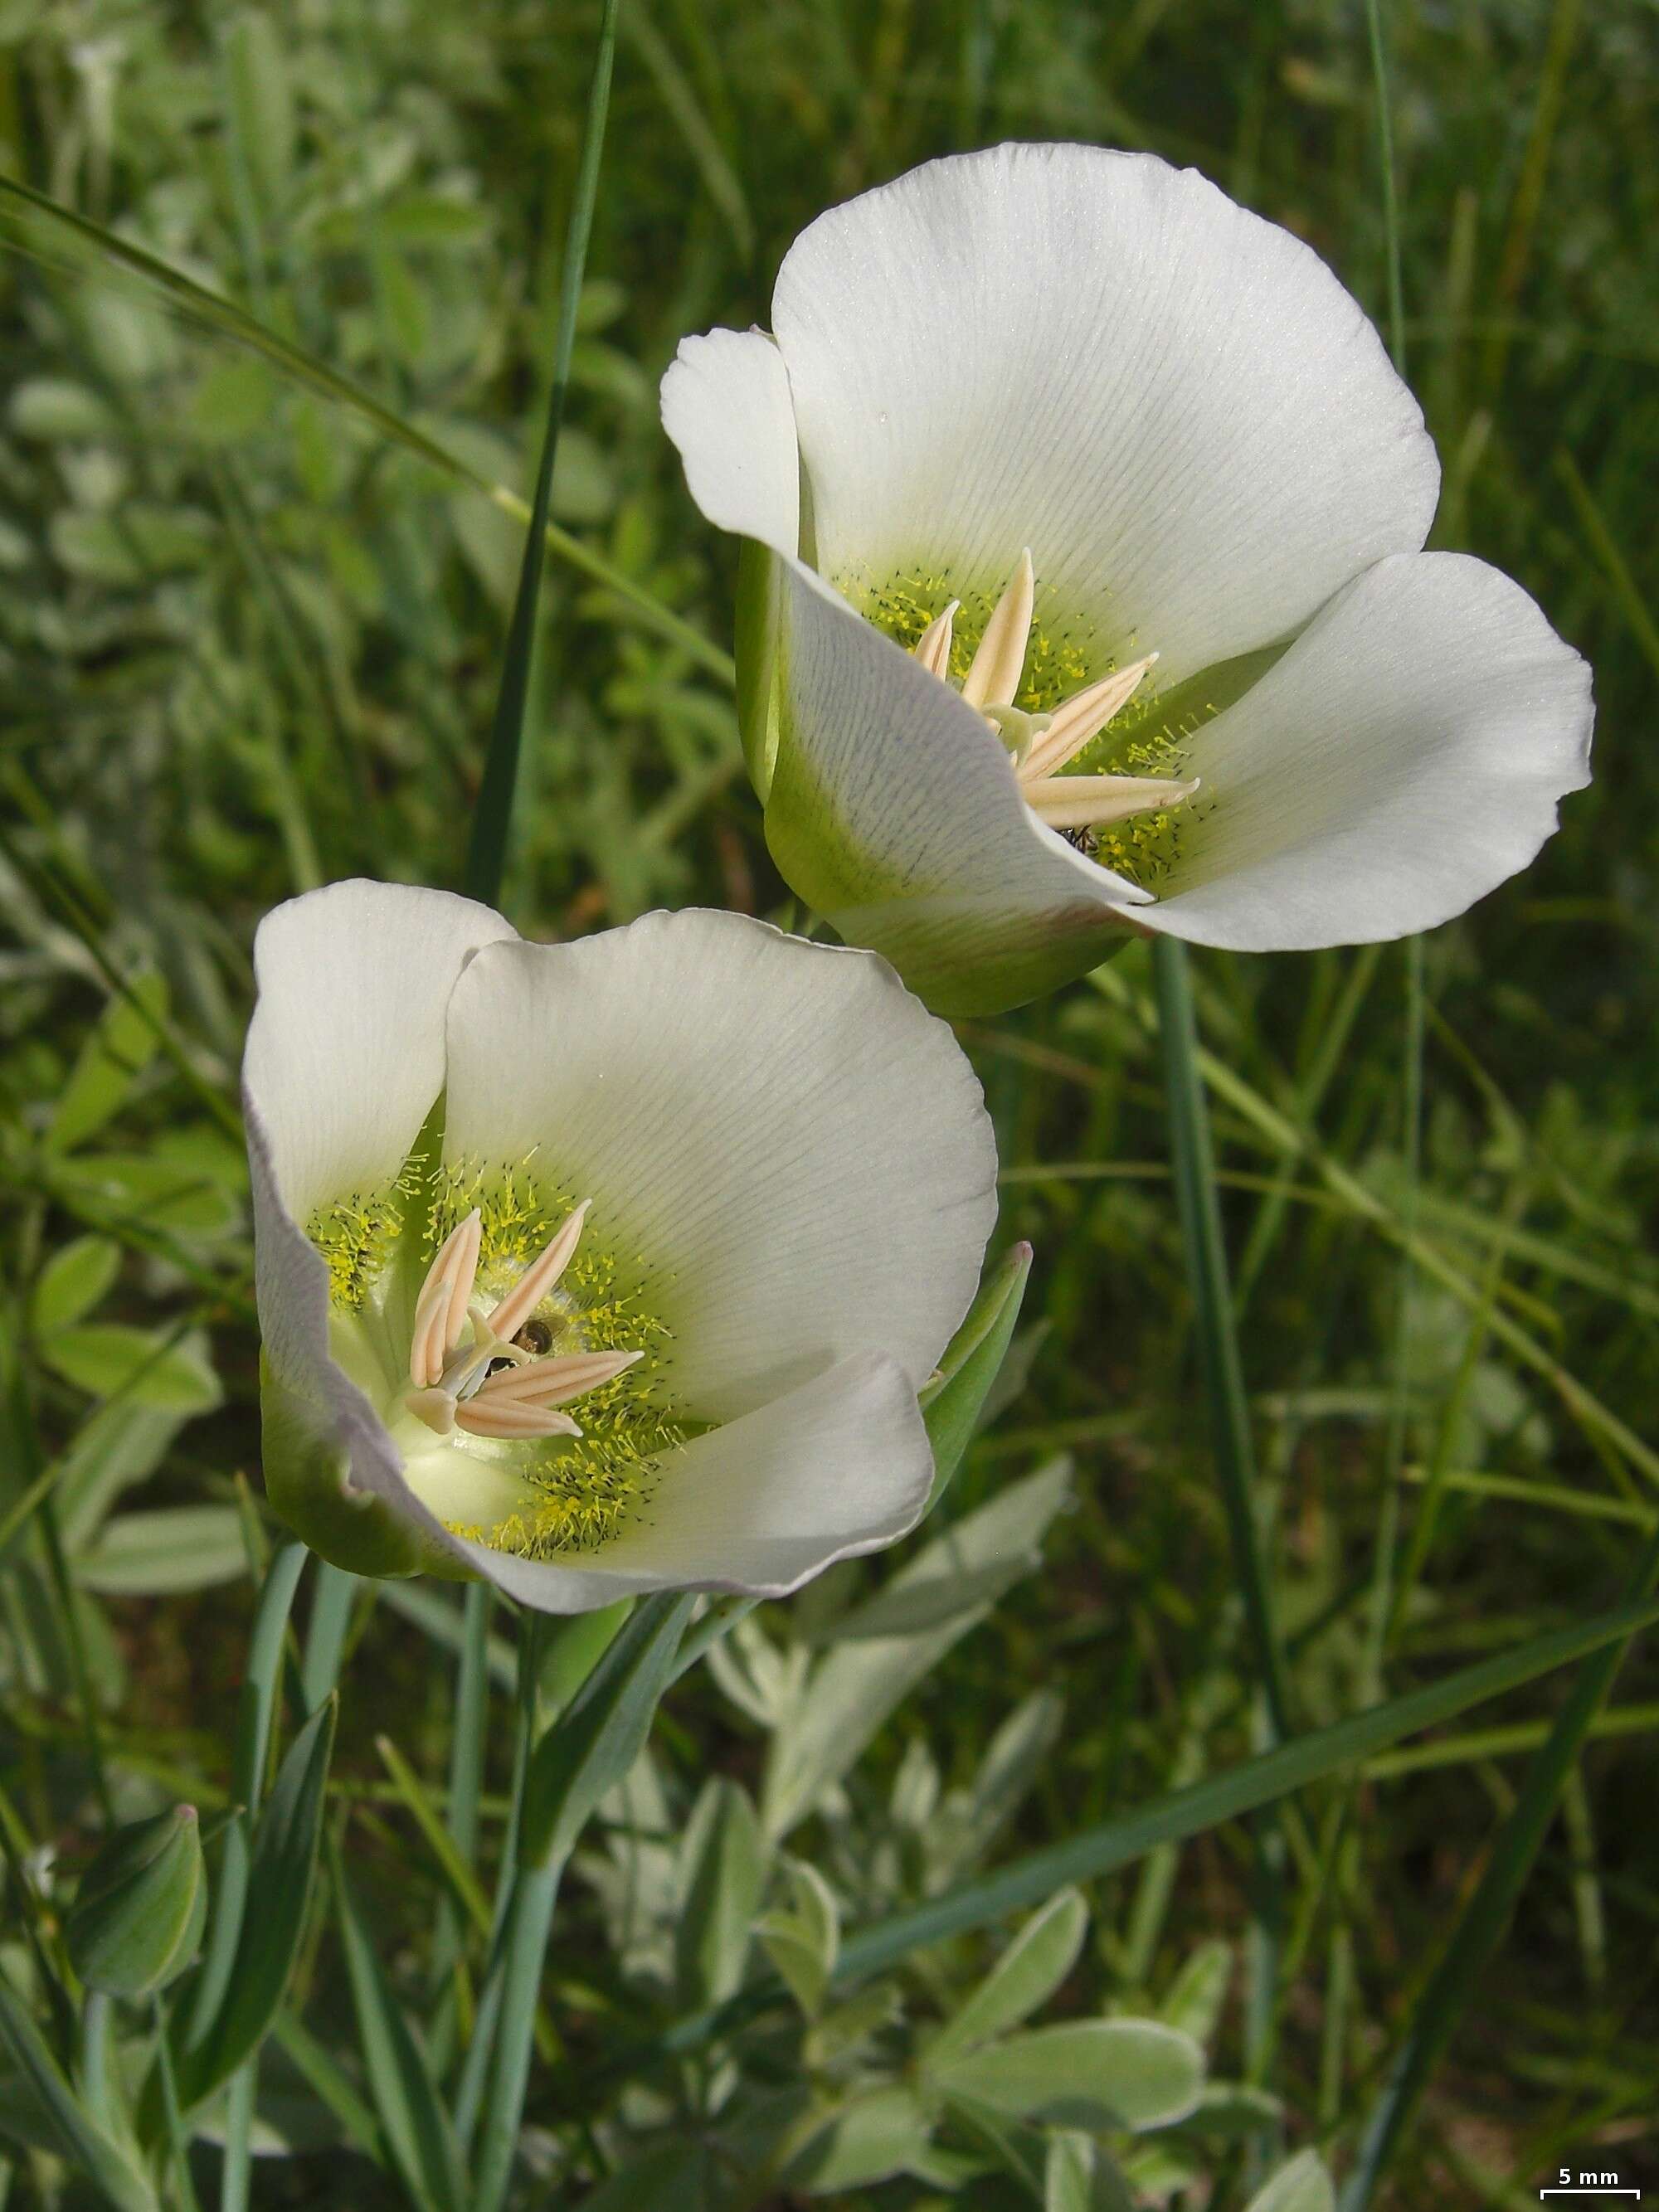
600 1267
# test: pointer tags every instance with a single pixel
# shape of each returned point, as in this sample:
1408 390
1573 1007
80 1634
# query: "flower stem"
1193 1164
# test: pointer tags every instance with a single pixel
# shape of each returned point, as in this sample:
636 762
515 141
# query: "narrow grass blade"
411 2112
1102 1850
1479 1931
486 858
215 313
463 1884
253 1724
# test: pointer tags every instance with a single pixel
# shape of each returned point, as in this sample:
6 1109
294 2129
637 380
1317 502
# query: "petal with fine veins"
1405 756
345 1052
797 1149
838 1466
1174 402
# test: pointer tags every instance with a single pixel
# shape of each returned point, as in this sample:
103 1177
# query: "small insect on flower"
1075 497
600 1267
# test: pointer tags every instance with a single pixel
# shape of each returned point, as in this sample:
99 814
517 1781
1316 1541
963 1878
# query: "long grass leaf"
486 858
1480 1927
1105 1849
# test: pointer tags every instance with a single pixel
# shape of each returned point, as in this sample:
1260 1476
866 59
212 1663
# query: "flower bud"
138 1914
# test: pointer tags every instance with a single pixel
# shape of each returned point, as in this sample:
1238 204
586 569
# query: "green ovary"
543 1498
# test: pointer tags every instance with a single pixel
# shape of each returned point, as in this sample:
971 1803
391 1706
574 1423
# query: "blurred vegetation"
249 642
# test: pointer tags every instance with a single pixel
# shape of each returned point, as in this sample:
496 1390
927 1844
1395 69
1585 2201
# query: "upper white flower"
606 1267
1152 462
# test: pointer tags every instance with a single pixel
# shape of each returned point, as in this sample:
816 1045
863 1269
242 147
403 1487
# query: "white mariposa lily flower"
1084 586
600 1267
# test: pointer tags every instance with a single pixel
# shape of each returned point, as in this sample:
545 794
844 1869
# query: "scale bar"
1625 2191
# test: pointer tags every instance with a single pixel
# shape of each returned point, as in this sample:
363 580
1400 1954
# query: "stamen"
994 678
1078 720
1083 802
554 1382
504 1418
441 1307
933 647
538 1278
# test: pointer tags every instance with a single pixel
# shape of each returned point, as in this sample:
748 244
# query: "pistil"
467 1370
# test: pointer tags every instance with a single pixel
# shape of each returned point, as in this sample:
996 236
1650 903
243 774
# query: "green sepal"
756 634
952 1403
139 1911
307 1481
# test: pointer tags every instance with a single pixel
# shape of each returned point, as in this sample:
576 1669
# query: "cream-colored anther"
933 647
538 1278
440 1310
1083 802
554 1381
1076 720
505 1419
1000 662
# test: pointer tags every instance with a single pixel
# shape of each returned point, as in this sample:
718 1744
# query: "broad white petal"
838 1466
1402 758
725 405
1172 402
798 1151
896 813
345 1052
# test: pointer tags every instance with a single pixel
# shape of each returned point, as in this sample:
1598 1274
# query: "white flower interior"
1033 685
522 1383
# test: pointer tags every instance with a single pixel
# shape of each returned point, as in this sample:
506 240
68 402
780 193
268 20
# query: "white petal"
1173 402
838 1466
895 813
345 1052
1402 758
798 1151
725 405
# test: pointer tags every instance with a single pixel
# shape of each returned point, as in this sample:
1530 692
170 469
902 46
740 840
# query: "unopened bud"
139 1911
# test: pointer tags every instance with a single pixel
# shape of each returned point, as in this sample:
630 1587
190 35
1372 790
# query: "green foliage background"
249 642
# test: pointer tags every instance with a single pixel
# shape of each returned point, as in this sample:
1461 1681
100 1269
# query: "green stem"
466 1762
1193 1164
529 1923
325 1634
94 2056
235 2175
486 858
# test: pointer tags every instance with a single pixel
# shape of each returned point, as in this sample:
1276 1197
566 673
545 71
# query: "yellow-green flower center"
563 1410
1056 697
